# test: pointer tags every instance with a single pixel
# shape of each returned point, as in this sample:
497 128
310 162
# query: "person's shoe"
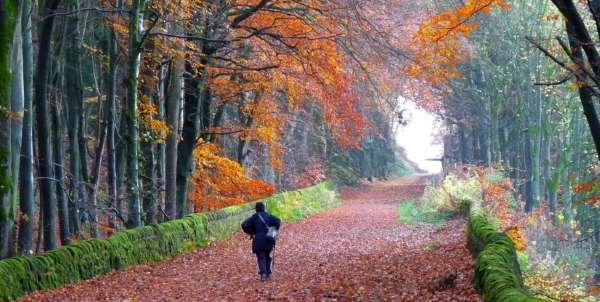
263 277
268 276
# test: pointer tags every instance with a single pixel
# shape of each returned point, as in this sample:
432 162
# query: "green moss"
89 258
497 269
523 260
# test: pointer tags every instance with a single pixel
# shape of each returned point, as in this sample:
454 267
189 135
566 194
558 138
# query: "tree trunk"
246 121
121 165
149 176
8 12
160 146
25 237
47 201
174 99
536 170
111 81
195 93
16 133
585 93
546 155
504 150
74 105
596 253
94 179
136 21
528 160
462 140
61 194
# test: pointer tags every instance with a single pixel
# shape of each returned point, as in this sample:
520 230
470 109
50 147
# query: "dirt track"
357 252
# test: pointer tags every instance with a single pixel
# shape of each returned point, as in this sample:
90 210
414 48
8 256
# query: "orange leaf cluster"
219 182
440 43
517 235
496 200
591 188
154 129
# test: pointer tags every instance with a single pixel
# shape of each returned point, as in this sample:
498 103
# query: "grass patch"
414 212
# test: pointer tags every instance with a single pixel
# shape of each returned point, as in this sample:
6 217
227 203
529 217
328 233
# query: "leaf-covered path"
358 252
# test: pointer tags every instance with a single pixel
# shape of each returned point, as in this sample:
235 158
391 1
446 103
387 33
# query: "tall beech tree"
136 39
47 200
26 183
8 13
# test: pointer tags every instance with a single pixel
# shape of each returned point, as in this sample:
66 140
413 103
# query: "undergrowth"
497 270
412 212
440 203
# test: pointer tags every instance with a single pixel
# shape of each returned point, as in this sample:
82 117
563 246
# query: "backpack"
271 231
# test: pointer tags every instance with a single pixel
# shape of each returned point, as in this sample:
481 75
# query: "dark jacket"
255 227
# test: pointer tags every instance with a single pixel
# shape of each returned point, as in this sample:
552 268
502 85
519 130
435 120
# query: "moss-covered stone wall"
87 259
497 272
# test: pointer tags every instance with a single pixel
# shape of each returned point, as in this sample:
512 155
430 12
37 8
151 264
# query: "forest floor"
357 252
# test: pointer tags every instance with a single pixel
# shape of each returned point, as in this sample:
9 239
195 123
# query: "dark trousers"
264 262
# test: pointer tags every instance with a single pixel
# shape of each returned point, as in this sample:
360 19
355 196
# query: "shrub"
453 196
89 258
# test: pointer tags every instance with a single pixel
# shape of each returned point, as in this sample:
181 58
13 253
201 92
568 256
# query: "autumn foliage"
590 190
499 201
268 65
221 181
440 42
267 59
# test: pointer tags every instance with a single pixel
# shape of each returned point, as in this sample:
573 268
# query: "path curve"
357 252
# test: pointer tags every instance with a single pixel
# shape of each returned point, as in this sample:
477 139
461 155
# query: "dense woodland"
117 114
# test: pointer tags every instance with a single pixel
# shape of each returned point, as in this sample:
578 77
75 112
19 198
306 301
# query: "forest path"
357 252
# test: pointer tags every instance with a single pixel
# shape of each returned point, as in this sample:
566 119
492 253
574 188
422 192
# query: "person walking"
263 239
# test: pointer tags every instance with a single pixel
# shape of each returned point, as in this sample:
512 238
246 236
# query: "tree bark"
8 12
94 180
25 236
136 21
160 146
61 194
16 133
111 81
195 93
47 201
174 100
149 196
585 93
74 106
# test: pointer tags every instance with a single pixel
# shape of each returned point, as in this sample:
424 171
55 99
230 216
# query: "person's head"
259 207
